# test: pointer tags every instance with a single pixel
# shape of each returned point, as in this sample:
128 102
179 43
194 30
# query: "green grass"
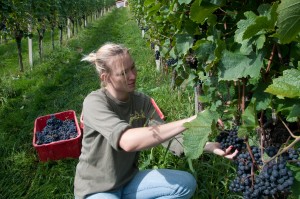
60 82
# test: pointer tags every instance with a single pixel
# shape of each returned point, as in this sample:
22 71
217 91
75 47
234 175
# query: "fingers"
228 150
219 152
220 123
232 155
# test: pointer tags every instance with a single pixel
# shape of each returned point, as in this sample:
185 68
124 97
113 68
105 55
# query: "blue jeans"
154 184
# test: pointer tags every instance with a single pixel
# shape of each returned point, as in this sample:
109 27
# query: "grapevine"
246 56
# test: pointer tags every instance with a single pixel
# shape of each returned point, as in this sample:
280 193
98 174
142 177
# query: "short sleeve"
101 118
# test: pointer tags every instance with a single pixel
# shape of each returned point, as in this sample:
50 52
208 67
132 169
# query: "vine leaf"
287 85
264 22
154 9
261 98
288 20
149 2
234 65
201 13
296 183
243 25
184 1
294 113
204 51
250 121
196 135
183 43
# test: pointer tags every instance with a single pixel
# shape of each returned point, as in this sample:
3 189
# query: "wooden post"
143 33
69 28
157 59
30 47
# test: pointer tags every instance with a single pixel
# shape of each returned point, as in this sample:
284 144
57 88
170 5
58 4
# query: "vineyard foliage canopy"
245 64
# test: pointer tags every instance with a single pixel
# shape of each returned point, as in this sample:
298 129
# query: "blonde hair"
105 57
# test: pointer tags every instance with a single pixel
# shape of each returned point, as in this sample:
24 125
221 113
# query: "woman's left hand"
214 147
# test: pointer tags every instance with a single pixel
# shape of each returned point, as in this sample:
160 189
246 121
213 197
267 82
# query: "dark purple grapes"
269 180
56 130
230 138
171 61
271 151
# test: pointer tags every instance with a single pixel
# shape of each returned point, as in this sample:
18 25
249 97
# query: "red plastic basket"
70 148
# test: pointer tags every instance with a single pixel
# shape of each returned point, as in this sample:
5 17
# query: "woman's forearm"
137 139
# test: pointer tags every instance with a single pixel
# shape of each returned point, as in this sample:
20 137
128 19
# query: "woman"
118 123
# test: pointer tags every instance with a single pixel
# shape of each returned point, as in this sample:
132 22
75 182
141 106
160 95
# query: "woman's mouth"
132 84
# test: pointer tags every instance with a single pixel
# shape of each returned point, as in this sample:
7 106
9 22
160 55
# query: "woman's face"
122 78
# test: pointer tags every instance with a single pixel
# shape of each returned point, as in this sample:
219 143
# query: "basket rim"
59 141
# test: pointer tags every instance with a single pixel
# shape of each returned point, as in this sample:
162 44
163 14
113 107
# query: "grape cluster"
275 178
171 61
230 138
256 180
56 130
245 162
292 155
145 28
157 55
271 150
152 45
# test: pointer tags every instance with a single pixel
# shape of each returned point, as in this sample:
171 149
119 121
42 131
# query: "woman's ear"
105 77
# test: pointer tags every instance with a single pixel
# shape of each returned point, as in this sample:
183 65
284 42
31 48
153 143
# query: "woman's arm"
137 139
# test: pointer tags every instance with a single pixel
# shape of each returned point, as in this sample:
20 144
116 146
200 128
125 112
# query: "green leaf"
191 27
261 98
148 2
184 1
288 20
296 183
287 85
260 41
204 51
183 43
234 66
250 121
220 46
264 22
200 14
259 24
196 135
243 25
154 9
294 114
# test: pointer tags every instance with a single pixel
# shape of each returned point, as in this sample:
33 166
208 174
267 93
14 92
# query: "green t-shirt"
103 165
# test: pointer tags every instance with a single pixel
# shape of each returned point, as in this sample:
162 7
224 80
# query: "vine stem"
291 133
279 55
250 152
253 160
239 95
284 149
243 94
271 58
262 135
